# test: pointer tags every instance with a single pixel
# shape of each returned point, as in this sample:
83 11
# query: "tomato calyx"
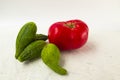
70 24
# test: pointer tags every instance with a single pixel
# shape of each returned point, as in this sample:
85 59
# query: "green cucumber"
41 37
32 51
25 36
51 57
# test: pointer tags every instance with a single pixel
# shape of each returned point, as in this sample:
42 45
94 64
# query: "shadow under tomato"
89 48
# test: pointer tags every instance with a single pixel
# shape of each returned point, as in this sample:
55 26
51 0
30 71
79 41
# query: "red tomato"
68 35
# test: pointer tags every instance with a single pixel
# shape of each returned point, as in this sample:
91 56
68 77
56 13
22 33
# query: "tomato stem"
70 25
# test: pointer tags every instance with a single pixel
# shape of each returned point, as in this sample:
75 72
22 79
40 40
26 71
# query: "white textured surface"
99 59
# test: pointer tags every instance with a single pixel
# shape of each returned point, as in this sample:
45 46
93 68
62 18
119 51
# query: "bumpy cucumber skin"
32 51
41 37
25 36
51 57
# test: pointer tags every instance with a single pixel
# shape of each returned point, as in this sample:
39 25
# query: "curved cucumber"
51 57
32 51
25 36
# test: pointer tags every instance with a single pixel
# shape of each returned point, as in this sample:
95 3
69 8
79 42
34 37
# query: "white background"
97 60
96 13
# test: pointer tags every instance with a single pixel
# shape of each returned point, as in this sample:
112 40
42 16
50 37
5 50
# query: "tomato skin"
68 35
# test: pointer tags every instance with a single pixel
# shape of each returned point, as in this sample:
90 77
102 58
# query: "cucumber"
32 51
25 36
51 57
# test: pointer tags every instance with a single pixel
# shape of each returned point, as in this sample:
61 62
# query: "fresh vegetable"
65 35
68 35
32 51
51 57
25 36
41 37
